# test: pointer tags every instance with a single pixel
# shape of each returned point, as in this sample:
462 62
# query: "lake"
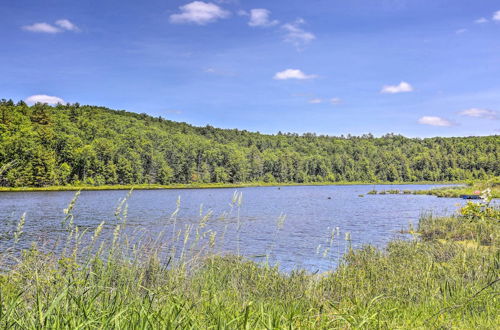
308 214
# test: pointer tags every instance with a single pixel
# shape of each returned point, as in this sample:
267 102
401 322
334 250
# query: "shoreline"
214 186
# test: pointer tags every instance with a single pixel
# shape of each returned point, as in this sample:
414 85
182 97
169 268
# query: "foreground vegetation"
448 278
78 145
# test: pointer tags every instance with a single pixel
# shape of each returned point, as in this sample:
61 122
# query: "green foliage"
477 222
72 144
476 211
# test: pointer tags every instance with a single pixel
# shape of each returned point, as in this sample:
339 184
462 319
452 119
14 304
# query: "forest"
73 144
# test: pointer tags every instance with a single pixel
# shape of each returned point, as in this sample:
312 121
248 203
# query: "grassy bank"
469 189
433 282
207 185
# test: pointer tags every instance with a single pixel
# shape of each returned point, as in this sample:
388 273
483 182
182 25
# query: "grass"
482 232
455 192
204 185
432 282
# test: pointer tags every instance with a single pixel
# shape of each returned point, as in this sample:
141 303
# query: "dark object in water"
470 196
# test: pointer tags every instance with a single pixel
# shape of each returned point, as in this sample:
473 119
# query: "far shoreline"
215 186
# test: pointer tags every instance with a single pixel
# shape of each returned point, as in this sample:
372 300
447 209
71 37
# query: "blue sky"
418 68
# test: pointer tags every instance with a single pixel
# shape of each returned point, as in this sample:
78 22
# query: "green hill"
41 145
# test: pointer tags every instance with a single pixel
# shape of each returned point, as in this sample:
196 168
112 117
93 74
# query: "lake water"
310 215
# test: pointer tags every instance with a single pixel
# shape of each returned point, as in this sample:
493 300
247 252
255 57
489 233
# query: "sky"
411 67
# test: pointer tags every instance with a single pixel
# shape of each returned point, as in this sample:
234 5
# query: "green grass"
433 282
455 192
206 185
479 231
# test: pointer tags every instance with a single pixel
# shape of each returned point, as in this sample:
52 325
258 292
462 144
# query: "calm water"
312 212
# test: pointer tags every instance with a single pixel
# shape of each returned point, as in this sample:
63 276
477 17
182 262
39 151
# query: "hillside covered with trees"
41 145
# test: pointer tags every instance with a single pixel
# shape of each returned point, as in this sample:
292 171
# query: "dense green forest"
44 145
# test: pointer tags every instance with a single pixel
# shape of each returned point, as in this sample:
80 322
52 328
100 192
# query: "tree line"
43 145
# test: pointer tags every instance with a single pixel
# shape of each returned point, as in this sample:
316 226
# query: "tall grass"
174 280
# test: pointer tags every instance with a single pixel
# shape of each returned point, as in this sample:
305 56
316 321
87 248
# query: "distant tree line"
44 145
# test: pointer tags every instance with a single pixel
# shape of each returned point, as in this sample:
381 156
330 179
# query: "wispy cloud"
261 17
296 35
403 87
41 28
481 20
67 25
219 72
200 13
461 31
480 113
496 16
435 121
59 26
42 98
334 101
293 74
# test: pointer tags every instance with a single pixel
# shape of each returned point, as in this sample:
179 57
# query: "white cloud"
260 17
481 20
41 28
336 100
67 25
41 98
434 121
62 25
480 113
199 12
460 31
293 74
403 87
496 16
296 35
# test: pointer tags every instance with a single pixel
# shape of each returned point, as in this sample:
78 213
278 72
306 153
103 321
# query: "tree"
71 144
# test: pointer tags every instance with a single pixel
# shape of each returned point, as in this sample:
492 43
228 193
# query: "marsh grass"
453 192
492 184
118 281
